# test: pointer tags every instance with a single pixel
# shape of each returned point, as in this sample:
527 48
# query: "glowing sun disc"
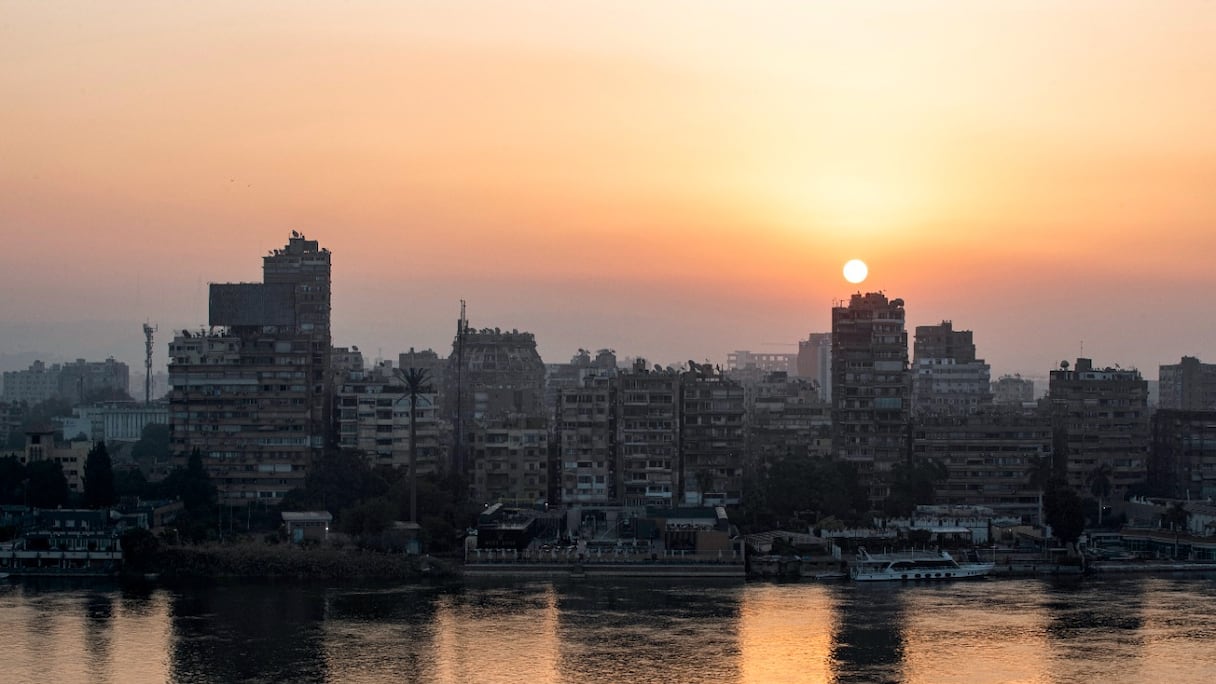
856 271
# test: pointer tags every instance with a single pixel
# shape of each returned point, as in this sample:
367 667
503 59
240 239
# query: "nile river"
1094 630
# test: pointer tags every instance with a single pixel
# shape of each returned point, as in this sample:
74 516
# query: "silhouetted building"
114 421
510 460
988 455
34 385
1102 423
1183 461
947 377
764 362
786 417
815 362
254 393
374 417
77 382
563 376
648 435
41 445
1012 390
871 387
713 437
1188 385
585 428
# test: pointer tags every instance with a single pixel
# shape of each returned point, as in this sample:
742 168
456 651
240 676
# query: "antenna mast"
148 331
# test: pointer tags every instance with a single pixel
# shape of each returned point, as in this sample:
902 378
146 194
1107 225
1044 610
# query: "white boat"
912 566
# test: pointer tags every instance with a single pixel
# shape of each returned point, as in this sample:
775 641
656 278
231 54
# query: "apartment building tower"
871 387
1102 424
253 392
947 378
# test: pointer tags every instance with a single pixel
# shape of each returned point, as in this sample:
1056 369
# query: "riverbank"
286 561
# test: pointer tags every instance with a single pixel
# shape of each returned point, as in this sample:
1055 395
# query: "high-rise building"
1102 424
763 362
713 437
786 417
871 387
1188 385
1183 460
988 456
494 381
509 460
374 417
253 393
36 384
947 377
815 362
585 427
78 382
648 435
1012 390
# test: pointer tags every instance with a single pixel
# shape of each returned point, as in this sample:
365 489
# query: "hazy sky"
673 180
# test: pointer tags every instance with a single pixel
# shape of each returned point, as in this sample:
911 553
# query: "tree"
415 383
913 484
152 447
1176 517
12 480
1065 513
46 486
98 478
1042 477
1099 486
336 481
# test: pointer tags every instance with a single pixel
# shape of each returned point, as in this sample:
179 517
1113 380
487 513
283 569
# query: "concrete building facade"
713 438
871 387
1183 454
1189 385
946 375
254 392
585 428
1101 420
373 408
648 435
815 362
989 457
1012 390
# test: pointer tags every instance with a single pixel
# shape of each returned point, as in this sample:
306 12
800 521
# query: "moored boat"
913 566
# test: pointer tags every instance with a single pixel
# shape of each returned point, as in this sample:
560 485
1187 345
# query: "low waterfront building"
64 542
307 526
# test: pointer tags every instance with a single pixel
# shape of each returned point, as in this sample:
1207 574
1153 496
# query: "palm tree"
415 384
1099 486
1041 476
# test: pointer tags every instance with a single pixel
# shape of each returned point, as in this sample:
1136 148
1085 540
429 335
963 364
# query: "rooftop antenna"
148 331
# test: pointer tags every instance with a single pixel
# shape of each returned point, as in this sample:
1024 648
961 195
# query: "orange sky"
674 180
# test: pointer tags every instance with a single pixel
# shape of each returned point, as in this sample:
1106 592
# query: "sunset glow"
671 180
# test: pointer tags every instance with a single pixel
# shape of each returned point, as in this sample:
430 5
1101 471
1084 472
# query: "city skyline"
613 176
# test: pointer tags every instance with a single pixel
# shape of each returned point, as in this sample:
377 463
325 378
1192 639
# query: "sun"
856 271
